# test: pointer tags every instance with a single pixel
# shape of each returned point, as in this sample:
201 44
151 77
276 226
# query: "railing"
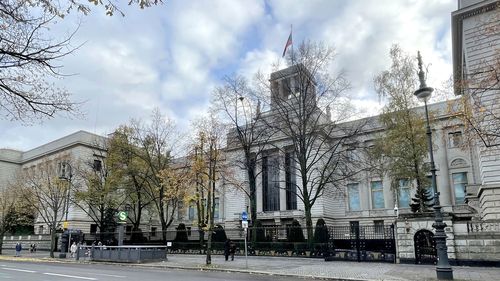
483 226
129 254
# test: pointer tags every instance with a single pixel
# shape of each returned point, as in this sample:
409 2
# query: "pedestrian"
31 248
232 249
73 249
34 247
19 247
227 246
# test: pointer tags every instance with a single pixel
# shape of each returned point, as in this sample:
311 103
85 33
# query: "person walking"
227 246
19 247
73 249
232 250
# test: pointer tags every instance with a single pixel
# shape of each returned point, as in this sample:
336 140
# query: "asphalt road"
27 271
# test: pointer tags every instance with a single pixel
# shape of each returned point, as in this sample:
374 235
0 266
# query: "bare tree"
129 173
155 142
209 168
97 194
7 204
307 108
42 188
242 109
28 64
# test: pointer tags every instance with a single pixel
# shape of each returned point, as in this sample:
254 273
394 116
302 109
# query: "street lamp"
67 174
443 268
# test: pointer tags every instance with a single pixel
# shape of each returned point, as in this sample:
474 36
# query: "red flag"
288 43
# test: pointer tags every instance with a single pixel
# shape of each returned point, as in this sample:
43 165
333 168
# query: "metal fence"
361 243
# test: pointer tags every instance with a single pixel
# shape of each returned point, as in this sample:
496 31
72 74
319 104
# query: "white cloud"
171 56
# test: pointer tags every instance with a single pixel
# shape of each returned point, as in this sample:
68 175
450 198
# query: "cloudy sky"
171 56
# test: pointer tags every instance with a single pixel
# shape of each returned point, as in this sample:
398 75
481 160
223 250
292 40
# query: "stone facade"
476 51
74 149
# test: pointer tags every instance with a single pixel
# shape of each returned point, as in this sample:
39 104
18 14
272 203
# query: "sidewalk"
304 267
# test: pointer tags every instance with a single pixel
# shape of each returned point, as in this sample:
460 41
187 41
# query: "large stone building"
468 176
476 61
62 156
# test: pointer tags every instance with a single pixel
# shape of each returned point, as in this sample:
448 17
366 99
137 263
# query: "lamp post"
443 268
68 178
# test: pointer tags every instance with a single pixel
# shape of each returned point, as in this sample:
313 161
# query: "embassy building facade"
468 176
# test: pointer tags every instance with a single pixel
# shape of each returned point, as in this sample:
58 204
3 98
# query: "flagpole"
291 32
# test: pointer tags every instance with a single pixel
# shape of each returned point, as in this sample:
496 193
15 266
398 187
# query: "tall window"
180 211
291 187
216 207
97 166
379 226
377 195
430 188
270 183
192 211
459 182
353 192
455 139
404 193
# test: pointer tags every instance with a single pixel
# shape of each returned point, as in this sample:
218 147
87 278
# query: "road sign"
244 224
122 215
244 216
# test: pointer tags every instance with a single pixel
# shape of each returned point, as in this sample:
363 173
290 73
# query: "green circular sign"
122 215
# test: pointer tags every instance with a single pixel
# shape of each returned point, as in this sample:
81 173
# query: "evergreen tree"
423 197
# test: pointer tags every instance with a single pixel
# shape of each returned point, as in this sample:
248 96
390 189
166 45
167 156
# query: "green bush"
181 234
219 234
295 233
321 232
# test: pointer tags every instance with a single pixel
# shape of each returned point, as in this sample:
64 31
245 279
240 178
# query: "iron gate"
425 247
361 243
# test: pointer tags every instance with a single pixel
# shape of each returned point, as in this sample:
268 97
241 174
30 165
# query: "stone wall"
42 242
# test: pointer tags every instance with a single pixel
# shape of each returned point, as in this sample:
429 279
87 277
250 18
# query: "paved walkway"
307 267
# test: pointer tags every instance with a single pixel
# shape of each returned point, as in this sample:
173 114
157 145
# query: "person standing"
73 249
232 249
227 246
19 247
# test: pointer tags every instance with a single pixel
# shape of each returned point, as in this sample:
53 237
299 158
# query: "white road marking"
20 270
108 275
69 276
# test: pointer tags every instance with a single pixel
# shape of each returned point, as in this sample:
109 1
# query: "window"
153 231
379 226
97 166
128 229
270 183
455 139
353 192
351 153
64 170
291 186
191 212
429 188
180 211
93 228
459 182
377 195
404 193
40 229
216 207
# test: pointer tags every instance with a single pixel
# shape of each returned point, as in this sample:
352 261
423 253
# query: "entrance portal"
425 247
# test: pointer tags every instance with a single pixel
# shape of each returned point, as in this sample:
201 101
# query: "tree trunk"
2 233
309 225
253 204
52 240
